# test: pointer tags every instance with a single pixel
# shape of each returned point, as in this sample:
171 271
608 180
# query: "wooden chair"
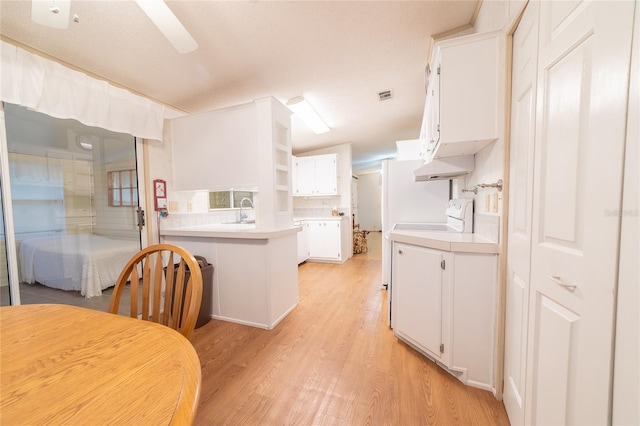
161 270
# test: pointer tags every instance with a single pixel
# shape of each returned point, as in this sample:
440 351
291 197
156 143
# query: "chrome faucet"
243 215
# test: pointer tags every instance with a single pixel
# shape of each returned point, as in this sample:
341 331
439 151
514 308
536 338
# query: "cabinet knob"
400 252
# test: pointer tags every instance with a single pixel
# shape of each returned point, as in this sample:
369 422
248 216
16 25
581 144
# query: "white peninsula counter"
255 272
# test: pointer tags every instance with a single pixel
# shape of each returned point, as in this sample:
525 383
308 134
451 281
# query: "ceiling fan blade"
51 13
168 24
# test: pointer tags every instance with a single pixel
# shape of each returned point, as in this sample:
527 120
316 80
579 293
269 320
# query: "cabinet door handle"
400 252
558 280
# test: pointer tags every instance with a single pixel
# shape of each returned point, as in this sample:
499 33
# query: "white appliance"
407 201
459 219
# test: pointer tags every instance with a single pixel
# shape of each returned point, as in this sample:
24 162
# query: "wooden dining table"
61 364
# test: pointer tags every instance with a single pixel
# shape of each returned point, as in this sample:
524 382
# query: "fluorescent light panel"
168 24
307 114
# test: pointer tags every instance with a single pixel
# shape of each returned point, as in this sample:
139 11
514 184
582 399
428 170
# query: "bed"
87 263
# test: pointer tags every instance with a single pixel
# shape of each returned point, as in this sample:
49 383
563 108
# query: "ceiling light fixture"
168 24
51 13
85 142
302 109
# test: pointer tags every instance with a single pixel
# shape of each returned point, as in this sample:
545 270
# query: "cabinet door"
315 238
325 175
324 239
305 176
294 175
417 296
331 235
464 109
434 107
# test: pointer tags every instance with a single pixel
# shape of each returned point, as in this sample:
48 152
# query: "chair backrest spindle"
181 287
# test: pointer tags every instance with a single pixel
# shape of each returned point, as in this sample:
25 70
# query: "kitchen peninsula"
255 275
255 269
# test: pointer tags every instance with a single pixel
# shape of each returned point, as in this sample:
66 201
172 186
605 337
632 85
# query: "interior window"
229 199
122 188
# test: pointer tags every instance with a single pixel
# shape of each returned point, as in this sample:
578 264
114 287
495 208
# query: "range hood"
445 168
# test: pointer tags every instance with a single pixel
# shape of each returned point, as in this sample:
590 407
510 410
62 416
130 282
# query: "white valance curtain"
46 86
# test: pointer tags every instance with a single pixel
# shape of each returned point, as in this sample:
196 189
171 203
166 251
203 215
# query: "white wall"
370 201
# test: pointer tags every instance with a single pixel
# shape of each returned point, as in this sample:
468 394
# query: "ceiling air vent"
384 95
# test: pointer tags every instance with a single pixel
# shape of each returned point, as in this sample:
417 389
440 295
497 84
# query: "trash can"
206 269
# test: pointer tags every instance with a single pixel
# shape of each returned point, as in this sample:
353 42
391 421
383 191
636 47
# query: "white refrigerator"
404 200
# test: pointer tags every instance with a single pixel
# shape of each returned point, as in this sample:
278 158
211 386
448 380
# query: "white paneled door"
523 101
583 77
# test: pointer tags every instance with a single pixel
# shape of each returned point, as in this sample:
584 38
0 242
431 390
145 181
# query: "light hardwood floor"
332 361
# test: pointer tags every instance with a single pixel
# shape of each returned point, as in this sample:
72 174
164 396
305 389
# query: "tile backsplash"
487 226
317 211
179 220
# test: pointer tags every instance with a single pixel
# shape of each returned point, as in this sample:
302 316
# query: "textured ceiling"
338 55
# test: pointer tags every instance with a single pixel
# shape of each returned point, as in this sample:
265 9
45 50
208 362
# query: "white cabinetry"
324 239
461 109
303 243
316 175
443 304
418 296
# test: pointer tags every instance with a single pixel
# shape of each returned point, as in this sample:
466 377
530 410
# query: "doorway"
74 205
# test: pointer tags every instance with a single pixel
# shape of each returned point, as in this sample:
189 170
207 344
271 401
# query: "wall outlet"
173 206
189 206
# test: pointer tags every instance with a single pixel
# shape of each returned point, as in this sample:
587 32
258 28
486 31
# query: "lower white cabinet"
443 304
303 243
324 239
418 296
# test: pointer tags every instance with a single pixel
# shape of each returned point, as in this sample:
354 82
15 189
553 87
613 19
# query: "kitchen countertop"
230 230
446 241
296 219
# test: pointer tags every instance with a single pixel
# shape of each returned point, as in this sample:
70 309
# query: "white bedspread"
82 262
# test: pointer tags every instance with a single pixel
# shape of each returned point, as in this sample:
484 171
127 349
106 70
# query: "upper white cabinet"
315 175
461 108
